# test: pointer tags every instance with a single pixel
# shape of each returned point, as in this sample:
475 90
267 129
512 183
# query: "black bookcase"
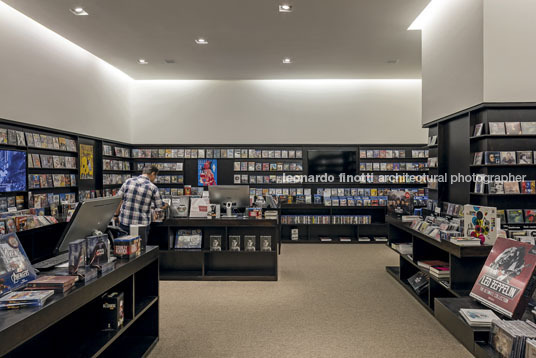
457 146
69 324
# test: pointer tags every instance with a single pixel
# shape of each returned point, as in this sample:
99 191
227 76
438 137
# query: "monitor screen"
332 162
12 171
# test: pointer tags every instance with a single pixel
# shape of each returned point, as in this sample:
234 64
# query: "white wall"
278 111
47 80
452 58
509 51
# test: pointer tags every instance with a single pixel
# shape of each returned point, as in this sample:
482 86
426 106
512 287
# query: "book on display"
506 282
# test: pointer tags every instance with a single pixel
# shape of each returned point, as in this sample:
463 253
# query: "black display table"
203 264
465 263
68 325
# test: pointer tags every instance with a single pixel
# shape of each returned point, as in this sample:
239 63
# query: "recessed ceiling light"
142 61
169 60
79 11
285 8
287 60
201 41
393 61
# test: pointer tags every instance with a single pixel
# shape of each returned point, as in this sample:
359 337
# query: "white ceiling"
247 38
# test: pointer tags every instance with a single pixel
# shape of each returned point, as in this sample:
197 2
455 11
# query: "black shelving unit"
465 262
68 325
205 265
310 233
457 145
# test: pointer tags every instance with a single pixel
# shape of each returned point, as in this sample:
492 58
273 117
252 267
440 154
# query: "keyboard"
50 263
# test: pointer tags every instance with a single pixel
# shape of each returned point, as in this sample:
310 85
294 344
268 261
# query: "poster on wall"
86 161
207 172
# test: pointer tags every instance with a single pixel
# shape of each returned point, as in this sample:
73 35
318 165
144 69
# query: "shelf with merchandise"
394 171
54 169
503 194
488 136
404 159
111 171
502 165
423 300
37 150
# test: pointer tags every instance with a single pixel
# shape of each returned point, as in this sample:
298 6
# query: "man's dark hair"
150 169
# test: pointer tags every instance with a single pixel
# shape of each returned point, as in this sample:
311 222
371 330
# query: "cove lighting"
429 11
142 61
79 11
201 41
285 8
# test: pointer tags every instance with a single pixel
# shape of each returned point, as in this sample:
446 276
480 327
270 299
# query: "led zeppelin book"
507 280
15 268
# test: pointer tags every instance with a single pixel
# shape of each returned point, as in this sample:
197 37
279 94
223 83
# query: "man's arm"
118 210
158 202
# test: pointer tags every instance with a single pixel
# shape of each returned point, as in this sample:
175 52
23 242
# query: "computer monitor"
90 215
229 195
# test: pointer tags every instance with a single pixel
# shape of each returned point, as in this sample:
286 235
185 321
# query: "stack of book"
465 241
440 272
478 317
345 239
56 283
364 239
23 299
325 239
427 264
380 239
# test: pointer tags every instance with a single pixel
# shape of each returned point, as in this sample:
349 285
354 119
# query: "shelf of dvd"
30 332
217 249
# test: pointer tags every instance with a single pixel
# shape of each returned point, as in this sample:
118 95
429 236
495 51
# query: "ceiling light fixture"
287 60
79 11
142 61
393 61
201 41
429 11
285 8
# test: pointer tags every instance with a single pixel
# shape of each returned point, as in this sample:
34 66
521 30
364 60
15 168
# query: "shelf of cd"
504 194
487 136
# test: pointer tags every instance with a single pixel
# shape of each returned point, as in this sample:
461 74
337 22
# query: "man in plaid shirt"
139 195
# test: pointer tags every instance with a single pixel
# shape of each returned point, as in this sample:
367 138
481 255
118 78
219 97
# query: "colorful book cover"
480 222
506 282
207 172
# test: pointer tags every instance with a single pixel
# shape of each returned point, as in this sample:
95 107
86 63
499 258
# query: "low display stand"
466 262
69 324
225 265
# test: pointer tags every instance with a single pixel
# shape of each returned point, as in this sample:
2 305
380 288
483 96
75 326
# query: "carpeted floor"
330 301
